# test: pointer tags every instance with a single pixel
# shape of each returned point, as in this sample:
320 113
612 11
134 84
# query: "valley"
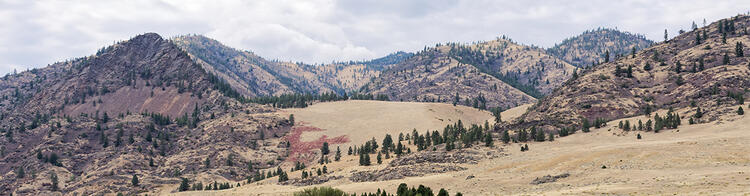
604 112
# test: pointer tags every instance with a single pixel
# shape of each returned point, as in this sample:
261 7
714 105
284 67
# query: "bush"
320 191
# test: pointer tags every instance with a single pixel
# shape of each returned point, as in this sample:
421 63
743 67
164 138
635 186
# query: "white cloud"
36 33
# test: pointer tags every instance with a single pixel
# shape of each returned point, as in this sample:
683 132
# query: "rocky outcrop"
548 179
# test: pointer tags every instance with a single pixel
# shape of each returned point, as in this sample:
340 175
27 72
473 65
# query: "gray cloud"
36 33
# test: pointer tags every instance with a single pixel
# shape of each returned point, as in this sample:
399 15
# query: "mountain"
253 75
140 108
704 68
495 73
591 46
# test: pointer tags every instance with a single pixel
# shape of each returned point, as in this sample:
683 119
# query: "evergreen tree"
665 35
350 151
134 181
185 186
725 61
324 149
522 136
606 56
338 154
443 192
551 137
539 136
738 50
379 158
53 179
488 140
740 111
505 137
20 173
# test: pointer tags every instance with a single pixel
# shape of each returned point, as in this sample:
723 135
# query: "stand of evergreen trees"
297 100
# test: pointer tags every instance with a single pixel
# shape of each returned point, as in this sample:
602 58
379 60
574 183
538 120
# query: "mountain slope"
527 68
680 73
495 73
139 108
434 76
590 47
253 76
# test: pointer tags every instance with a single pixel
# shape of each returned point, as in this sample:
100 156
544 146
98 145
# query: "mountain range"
160 109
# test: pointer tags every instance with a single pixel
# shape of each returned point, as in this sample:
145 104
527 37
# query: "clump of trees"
297 100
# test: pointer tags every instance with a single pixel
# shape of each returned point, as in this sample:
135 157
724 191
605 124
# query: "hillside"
139 108
591 46
253 75
497 73
704 68
606 161
359 120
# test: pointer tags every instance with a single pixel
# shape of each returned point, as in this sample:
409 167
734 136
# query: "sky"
37 33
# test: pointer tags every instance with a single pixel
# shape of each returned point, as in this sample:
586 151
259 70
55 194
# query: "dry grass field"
361 120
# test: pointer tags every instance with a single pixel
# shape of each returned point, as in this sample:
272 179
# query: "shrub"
319 191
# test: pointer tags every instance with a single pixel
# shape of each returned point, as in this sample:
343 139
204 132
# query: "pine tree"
488 140
505 137
324 149
53 179
379 158
20 173
638 136
725 61
539 136
291 119
185 186
338 154
551 137
350 151
738 50
134 181
740 111
665 35
606 56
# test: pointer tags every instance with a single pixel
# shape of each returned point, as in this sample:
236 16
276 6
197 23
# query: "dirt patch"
305 150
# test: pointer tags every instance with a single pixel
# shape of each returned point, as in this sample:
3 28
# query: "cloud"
36 33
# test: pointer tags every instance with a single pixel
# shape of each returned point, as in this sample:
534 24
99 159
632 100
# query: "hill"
253 75
591 46
702 69
497 73
138 108
358 121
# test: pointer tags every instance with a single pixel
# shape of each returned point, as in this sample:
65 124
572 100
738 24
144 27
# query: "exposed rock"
391 173
311 180
548 179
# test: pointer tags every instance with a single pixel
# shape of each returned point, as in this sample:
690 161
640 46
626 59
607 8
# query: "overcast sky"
37 33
